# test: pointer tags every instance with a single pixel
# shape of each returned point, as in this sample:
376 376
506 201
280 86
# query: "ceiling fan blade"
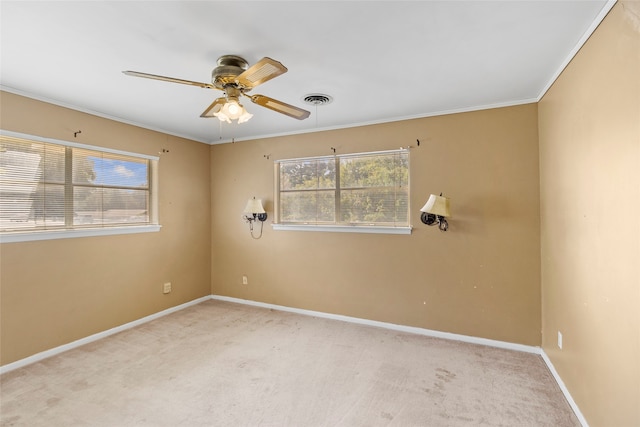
260 72
169 79
214 107
280 107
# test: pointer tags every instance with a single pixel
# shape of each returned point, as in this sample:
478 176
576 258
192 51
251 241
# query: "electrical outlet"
166 288
560 340
245 280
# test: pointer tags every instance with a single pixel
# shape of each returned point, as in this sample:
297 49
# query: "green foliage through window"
355 189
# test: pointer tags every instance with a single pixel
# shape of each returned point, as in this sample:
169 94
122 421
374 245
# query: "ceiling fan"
235 78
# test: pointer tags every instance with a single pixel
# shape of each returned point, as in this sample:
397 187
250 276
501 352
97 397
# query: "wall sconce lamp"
254 212
435 212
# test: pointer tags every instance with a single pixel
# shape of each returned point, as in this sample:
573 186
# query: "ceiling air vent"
317 99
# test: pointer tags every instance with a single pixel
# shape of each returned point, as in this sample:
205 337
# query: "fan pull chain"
316 115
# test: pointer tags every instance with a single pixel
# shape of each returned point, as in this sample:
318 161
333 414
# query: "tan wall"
57 291
590 213
481 278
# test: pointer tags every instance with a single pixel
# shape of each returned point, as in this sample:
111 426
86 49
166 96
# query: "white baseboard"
429 333
401 328
91 338
564 389
392 326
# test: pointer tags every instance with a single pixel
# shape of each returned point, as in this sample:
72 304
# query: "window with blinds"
366 189
50 186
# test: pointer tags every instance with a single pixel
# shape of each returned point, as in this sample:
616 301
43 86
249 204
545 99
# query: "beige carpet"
225 364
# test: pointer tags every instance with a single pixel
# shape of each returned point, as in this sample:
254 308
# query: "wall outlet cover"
560 340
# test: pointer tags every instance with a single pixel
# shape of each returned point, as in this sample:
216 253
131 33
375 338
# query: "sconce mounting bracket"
428 218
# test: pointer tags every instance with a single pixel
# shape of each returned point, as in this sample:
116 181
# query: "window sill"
29 236
343 228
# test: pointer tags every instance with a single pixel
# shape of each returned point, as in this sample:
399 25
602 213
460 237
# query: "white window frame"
340 228
65 233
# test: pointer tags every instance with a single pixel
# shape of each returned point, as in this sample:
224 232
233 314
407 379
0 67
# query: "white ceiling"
379 60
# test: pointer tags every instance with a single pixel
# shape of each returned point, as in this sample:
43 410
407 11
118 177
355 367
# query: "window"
55 186
357 192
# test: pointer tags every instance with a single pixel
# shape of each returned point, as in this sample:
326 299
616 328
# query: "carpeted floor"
224 364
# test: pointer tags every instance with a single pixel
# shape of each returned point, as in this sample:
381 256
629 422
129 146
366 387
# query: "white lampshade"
437 205
233 110
245 116
254 206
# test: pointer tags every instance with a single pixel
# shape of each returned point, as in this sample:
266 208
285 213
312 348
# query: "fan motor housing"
229 67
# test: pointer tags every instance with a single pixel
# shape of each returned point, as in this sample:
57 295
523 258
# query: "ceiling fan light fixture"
234 76
233 110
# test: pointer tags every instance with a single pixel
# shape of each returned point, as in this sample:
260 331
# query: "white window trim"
378 229
35 235
76 145
30 236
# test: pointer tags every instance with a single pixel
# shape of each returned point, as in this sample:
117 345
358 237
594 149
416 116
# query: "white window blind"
366 189
109 188
50 186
